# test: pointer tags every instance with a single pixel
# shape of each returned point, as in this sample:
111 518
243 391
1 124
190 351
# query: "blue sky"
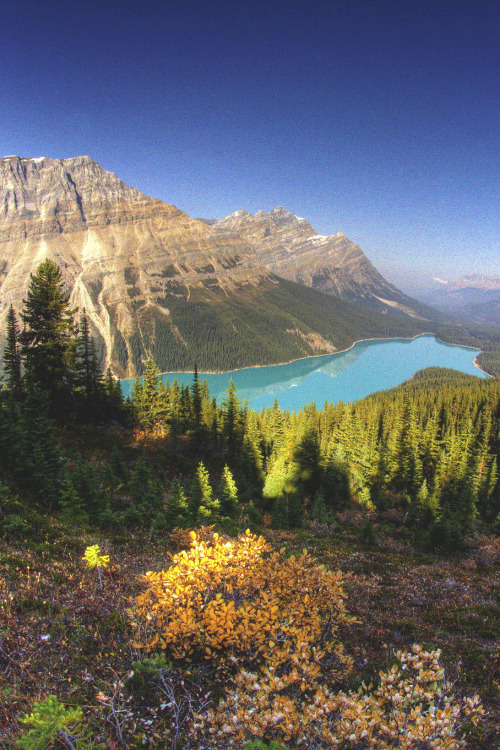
377 119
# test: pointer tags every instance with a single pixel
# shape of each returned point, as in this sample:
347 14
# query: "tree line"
427 452
424 455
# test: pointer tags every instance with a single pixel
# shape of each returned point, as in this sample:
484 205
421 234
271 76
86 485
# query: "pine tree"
176 511
307 457
251 464
137 399
185 408
49 342
335 484
89 375
12 354
86 481
196 412
202 506
72 506
231 432
228 494
153 414
140 478
113 397
318 508
39 462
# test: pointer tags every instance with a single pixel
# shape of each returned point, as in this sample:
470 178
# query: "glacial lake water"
367 367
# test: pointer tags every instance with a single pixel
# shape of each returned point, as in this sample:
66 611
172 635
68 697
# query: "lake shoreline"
476 364
330 354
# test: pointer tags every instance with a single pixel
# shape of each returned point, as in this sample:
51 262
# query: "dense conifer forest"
241 633
270 323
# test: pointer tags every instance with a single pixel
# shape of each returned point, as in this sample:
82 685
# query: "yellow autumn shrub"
241 602
269 624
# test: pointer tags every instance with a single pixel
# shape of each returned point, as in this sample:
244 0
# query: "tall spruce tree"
197 400
49 341
113 397
231 427
89 373
153 412
12 354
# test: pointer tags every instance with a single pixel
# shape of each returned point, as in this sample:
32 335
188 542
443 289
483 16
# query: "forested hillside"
231 640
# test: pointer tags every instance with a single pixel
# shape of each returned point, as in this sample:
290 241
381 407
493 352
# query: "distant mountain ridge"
475 281
154 281
474 297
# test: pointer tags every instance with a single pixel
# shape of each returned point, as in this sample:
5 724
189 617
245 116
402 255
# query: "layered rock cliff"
155 281
120 249
288 246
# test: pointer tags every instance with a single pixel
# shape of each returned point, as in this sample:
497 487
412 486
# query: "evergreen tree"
184 412
140 478
86 482
176 512
89 375
196 411
137 399
318 508
72 507
11 433
202 506
281 516
251 464
153 413
277 479
307 458
12 354
49 342
335 482
231 432
113 397
175 401
39 460
228 494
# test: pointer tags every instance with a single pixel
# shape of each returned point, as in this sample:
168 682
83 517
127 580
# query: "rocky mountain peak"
146 273
42 189
122 252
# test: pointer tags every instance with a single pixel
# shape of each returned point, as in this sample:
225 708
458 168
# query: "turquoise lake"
368 367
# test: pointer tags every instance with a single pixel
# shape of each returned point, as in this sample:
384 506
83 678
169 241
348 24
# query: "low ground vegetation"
146 674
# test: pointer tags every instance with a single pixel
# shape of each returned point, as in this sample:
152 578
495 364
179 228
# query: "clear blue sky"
377 119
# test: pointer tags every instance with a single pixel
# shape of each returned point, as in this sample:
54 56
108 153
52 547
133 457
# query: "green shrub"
51 721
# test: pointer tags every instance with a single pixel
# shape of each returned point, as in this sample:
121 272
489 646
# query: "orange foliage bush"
184 537
270 624
239 601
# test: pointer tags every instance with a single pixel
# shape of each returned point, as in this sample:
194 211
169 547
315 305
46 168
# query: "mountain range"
475 297
243 290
